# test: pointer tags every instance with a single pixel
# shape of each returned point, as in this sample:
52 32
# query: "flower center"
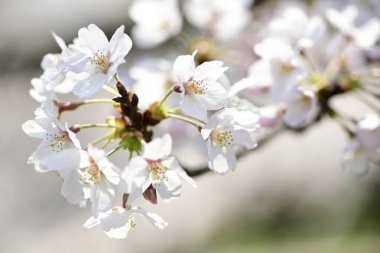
58 140
91 174
286 67
157 170
196 87
100 62
221 136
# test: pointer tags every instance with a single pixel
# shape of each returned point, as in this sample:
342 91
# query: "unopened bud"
75 128
177 88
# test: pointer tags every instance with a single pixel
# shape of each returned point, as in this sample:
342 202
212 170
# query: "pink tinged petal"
209 71
215 96
221 159
88 87
102 196
108 169
243 138
93 38
184 67
270 116
159 148
120 45
300 107
355 159
192 106
153 218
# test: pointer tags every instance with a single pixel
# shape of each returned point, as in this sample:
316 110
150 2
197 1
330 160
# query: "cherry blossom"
364 148
199 86
117 221
156 168
222 133
156 21
96 60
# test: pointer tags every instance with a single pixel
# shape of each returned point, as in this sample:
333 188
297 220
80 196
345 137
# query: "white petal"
170 187
300 108
159 148
215 96
116 223
153 218
33 129
175 166
93 38
209 71
355 159
221 159
88 87
191 106
120 44
108 169
102 196
243 138
61 43
135 179
184 67
72 188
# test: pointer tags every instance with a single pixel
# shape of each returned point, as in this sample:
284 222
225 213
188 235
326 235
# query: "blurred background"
289 196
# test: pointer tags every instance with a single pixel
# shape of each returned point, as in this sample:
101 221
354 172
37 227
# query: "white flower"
300 105
364 149
222 132
100 174
151 83
155 167
270 116
55 135
296 28
96 59
200 88
224 19
67 164
117 221
55 78
365 36
156 21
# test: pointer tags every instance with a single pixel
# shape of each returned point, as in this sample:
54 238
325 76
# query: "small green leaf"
132 144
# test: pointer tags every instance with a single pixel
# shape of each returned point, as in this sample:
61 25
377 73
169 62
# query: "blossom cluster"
300 62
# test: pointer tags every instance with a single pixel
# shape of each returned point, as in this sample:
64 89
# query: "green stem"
165 98
102 138
186 119
98 101
114 150
110 89
82 126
